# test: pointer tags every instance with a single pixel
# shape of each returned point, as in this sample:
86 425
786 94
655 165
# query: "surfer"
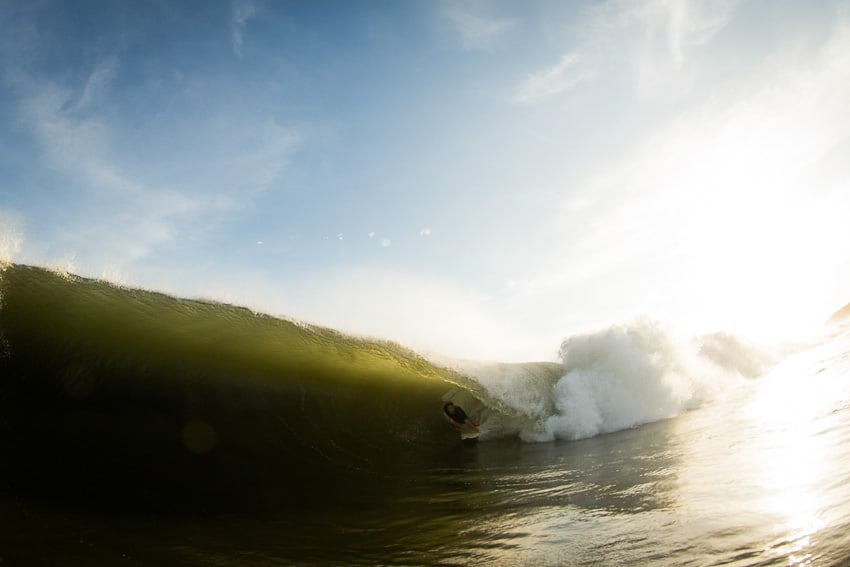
457 417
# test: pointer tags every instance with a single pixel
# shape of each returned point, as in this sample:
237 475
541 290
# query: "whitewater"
140 428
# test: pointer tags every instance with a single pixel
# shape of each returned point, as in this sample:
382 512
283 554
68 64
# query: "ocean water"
142 429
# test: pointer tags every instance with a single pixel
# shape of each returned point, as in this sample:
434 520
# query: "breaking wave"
105 388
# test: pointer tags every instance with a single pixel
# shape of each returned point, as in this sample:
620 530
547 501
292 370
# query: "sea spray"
735 355
625 376
614 379
11 237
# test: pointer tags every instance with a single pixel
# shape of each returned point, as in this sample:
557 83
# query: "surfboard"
470 434
466 432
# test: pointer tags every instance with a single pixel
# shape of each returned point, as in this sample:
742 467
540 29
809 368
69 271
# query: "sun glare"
790 454
758 239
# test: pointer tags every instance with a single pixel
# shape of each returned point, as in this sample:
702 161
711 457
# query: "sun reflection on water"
790 454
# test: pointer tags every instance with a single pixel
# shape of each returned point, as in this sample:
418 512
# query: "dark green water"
464 504
185 404
140 429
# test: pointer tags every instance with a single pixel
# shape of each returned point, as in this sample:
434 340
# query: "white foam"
735 355
618 378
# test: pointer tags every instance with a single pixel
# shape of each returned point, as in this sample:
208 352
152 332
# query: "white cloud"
477 32
79 147
666 33
97 84
556 80
243 12
67 140
227 162
655 43
664 28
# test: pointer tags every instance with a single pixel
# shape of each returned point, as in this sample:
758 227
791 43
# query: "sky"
475 178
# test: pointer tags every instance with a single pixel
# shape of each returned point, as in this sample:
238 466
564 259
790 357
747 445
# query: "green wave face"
105 388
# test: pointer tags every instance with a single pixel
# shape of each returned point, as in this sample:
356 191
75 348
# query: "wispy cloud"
231 161
666 33
653 43
556 80
97 84
693 24
137 217
666 28
243 12
477 31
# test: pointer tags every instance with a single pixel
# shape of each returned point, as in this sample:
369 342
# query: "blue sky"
475 178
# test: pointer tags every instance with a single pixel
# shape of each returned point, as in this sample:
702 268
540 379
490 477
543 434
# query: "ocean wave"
103 384
100 383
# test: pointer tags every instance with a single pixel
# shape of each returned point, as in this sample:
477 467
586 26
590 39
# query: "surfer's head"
449 408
